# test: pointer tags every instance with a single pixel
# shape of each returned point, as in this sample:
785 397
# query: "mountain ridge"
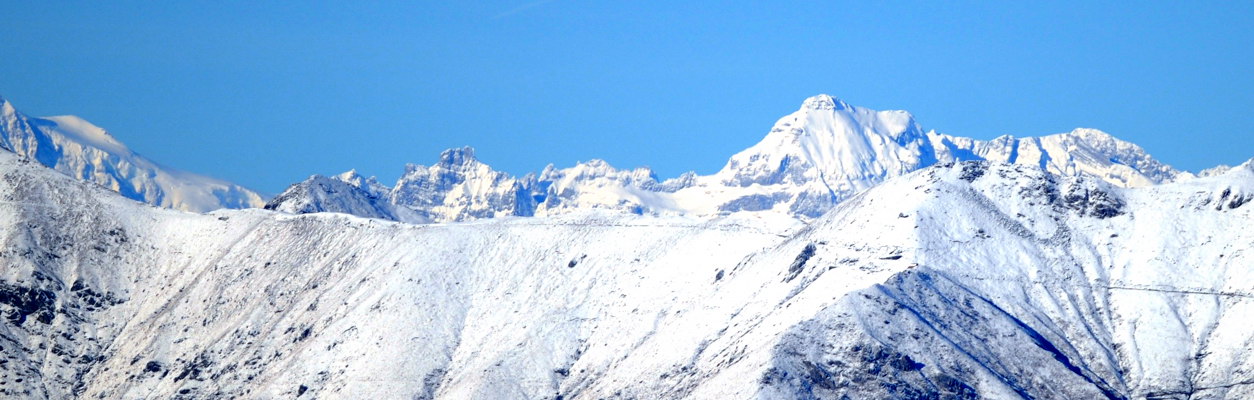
808 162
75 147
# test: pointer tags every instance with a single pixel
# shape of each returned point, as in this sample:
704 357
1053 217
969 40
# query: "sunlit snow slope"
969 280
79 149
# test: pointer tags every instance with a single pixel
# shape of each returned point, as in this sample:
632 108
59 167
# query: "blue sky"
267 94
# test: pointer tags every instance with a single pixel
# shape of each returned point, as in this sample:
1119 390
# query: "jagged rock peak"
6 108
458 156
349 176
355 178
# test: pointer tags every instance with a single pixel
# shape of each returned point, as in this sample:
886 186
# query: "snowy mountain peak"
369 184
824 102
460 187
458 156
1098 139
349 176
354 195
8 112
822 153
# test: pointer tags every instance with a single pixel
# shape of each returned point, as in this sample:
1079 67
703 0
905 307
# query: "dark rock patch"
27 301
800 262
1090 200
972 170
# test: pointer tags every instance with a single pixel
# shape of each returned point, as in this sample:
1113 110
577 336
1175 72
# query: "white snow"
978 280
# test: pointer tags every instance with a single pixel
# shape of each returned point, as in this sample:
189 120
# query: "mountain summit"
825 152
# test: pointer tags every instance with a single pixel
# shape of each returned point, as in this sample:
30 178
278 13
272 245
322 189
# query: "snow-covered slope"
971 280
810 160
79 149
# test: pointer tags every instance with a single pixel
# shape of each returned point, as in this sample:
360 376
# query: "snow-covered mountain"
460 188
347 193
966 280
79 149
810 160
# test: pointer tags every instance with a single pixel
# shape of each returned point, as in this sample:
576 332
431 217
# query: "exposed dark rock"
972 170
1088 199
26 301
799 263
575 261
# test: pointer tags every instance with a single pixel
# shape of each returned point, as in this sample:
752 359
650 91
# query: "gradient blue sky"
267 94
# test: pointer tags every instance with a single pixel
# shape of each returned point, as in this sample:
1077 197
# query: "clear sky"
267 94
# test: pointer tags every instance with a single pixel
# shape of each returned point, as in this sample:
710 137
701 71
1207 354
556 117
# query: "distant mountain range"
810 160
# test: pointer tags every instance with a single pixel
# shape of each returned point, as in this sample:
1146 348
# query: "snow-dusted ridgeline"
970 280
84 151
809 161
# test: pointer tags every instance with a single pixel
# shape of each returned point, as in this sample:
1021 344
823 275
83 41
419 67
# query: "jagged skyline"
248 93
